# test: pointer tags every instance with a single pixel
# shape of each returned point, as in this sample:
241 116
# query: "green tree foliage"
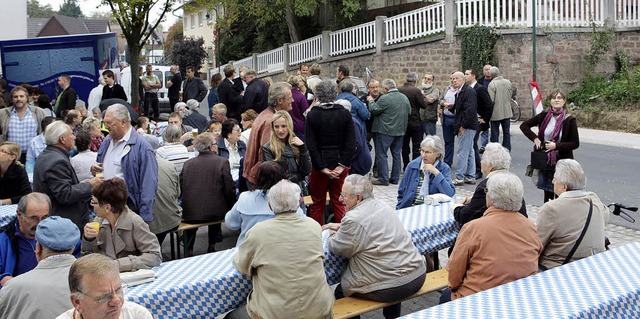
70 8
477 47
188 52
133 17
174 34
35 10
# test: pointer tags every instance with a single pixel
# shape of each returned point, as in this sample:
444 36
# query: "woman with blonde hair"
247 122
14 181
286 149
93 126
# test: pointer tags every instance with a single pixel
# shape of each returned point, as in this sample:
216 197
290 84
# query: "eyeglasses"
108 296
35 219
345 195
426 152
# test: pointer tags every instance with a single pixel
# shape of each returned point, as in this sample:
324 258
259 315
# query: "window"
201 18
193 21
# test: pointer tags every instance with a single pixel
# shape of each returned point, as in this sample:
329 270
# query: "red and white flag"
536 97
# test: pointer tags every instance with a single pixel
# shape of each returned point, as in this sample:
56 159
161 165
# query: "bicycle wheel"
515 111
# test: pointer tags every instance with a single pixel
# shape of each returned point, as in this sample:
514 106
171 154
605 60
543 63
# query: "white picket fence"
414 24
360 37
305 50
431 19
627 12
271 61
248 62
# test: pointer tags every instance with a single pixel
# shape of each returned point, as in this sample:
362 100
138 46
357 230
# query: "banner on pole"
538 107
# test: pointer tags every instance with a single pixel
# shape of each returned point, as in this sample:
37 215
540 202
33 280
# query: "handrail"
360 37
305 50
414 24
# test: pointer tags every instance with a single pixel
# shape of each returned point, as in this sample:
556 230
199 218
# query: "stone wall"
561 60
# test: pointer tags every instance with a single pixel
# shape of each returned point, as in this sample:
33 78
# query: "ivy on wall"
477 46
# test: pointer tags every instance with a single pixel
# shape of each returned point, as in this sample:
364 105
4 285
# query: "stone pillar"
285 57
449 19
609 13
380 33
326 45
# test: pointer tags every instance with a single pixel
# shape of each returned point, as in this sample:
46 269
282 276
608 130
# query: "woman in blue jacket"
430 170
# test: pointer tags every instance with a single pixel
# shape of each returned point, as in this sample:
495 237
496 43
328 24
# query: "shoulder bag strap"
584 231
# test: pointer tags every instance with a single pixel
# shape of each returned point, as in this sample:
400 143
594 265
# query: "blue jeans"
383 143
466 165
484 139
448 134
428 127
495 132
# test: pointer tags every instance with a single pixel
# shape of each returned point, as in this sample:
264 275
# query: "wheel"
515 110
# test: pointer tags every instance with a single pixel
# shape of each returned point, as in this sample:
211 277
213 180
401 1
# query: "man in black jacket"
193 87
228 95
413 134
66 99
112 89
465 127
257 93
485 109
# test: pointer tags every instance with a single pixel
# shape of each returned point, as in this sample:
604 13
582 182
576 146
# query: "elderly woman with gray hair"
172 150
495 159
562 220
425 175
207 187
285 259
498 248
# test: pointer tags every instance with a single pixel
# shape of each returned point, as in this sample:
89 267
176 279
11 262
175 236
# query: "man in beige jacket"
500 92
561 220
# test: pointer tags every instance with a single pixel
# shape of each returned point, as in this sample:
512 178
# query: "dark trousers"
449 136
151 100
214 234
161 236
506 136
412 136
446 296
173 101
389 295
476 150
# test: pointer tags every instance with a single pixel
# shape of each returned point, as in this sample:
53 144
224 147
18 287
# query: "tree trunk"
134 62
292 24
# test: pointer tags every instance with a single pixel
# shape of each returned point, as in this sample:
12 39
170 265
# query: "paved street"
609 160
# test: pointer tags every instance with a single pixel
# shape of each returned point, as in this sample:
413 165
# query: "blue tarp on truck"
40 61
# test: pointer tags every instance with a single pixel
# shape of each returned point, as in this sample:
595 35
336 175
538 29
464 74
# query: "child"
143 125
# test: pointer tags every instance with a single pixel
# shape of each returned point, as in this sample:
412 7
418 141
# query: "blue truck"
40 61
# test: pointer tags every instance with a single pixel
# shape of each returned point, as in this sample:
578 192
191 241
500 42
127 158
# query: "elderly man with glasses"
97 291
17 239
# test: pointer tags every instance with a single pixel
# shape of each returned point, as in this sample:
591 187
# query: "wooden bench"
349 307
178 237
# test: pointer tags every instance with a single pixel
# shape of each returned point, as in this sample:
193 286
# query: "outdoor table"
207 285
7 213
606 285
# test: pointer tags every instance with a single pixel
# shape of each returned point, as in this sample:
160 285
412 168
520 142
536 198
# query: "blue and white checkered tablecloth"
198 287
7 213
206 286
606 285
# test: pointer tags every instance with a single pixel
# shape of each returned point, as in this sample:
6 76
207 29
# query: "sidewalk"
611 138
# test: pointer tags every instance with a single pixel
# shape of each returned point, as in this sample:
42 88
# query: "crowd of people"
114 182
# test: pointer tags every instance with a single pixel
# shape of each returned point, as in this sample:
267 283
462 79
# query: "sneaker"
458 182
379 183
469 181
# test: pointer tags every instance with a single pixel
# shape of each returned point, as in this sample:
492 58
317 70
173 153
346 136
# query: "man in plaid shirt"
21 122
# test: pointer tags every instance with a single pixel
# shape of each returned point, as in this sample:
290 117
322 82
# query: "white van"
163 73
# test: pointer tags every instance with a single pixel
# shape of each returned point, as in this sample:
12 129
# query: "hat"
193 104
58 234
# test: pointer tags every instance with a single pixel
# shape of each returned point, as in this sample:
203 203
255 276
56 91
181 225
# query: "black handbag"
539 160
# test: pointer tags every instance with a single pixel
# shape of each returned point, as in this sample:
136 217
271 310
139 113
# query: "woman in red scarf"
557 133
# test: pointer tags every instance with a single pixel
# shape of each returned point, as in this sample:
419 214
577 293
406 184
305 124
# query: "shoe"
393 182
469 181
458 182
375 174
478 176
379 183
